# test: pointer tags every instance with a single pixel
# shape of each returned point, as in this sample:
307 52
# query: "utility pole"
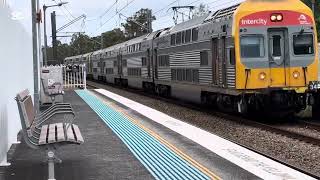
54 37
45 57
149 21
101 40
35 54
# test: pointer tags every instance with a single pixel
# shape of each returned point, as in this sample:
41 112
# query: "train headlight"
273 18
276 17
262 76
279 17
296 74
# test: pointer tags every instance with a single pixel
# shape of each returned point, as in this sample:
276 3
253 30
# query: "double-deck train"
259 55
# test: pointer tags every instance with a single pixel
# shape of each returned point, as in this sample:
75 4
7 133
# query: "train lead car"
260 55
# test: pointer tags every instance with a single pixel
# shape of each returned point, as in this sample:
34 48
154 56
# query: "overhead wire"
165 7
118 11
110 7
65 7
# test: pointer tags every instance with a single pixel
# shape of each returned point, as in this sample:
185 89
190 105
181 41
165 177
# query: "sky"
102 16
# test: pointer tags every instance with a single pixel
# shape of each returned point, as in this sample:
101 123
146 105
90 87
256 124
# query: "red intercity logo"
259 21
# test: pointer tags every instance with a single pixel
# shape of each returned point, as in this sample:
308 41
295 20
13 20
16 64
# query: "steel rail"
270 128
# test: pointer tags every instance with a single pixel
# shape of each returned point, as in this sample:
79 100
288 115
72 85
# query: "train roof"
188 24
87 54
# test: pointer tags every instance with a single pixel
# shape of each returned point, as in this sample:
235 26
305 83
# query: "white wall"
16 70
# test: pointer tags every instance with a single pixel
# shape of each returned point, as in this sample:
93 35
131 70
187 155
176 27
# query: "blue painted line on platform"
159 160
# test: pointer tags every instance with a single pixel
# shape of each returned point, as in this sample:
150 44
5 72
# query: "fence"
74 76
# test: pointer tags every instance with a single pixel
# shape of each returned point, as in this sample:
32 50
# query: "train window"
189 75
173 74
183 37
164 61
276 44
232 56
204 58
303 44
144 61
178 40
124 63
173 39
195 75
180 75
252 46
194 34
188 35
109 70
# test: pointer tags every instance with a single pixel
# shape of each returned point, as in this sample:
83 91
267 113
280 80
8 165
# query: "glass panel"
178 41
195 75
194 34
189 75
173 39
276 44
252 46
204 58
188 35
303 44
183 36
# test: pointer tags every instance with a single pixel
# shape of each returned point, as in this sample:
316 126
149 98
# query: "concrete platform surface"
103 156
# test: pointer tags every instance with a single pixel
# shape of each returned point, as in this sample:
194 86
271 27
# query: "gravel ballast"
299 154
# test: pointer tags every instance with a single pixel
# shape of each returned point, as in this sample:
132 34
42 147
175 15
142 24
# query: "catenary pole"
35 54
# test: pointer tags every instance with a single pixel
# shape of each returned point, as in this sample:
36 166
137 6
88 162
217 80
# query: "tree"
113 37
201 10
132 29
81 44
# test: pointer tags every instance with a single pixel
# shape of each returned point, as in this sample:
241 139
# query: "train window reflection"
252 46
303 44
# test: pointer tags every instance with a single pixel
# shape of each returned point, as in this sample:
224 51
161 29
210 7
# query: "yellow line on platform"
163 141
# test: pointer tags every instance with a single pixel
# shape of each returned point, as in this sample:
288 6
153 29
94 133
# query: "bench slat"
43 135
52 133
60 132
70 135
78 133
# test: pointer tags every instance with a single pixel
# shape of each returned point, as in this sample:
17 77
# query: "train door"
277 58
119 63
149 63
215 61
102 70
223 61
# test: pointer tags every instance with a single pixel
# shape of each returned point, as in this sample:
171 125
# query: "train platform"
127 140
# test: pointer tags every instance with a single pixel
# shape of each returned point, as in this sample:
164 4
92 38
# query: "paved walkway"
102 156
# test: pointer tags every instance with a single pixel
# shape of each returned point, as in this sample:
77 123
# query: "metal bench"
38 135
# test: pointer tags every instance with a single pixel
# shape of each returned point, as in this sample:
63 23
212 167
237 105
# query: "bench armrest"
53 111
54 107
46 118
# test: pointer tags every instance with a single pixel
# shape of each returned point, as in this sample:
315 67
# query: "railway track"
276 129
288 132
